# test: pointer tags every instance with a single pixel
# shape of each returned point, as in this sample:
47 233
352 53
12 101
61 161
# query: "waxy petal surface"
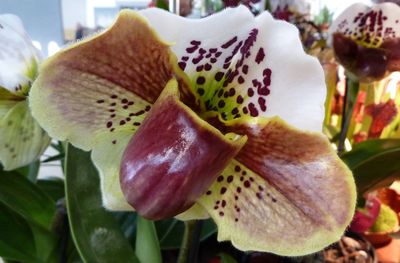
257 69
287 192
103 84
173 158
18 56
22 140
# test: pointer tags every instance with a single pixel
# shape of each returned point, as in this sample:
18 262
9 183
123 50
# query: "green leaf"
96 233
147 245
374 163
25 198
225 258
127 222
162 4
30 171
53 187
16 239
170 232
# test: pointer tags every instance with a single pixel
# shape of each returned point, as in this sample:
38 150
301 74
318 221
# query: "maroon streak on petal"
173 158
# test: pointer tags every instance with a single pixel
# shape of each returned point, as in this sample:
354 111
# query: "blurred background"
52 23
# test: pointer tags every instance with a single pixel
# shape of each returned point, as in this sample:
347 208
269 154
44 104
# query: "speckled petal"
369 26
103 84
22 140
7 101
18 56
257 69
287 192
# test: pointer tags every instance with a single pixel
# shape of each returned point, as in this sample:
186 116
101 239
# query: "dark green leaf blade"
374 163
53 187
16 239
24 197
96 233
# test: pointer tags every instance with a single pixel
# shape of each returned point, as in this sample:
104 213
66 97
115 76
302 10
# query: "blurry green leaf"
45 243
25 198
127 222
225 258
147 245
96 233
30 171
374 163
16 239
53 187
162 4
170 232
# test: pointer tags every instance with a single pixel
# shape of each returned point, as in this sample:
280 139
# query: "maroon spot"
215 207
207 67
273 200
185 58
229 179
109 124
213 60
261 102
219 76
236 197
221 104
136 123
241 178
124 101
208 192
213 50
245 69
195 42
122 122
112 129
253 110
111 110
246 184
237 168
223 204
238 189
241 80
182 65
201 80
191 49
220 92
100 101
250 92
260 188
236 219
263 91
223 190
235 111
112 115
217 202
208 55
221 213
113 104
198 59
244 173
259 195
200 91
148 107
245 110
229 43
232 92
239 99
202 51
220 178
218 54
199 68
260 55
114 96
131 103
267 72
128 119
114 142
238 209
125 107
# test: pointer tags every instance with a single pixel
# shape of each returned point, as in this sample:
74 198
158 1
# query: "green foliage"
373 163
96 232
324 17
147 245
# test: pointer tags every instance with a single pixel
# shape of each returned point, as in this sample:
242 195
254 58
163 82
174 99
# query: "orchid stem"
350 98
190 243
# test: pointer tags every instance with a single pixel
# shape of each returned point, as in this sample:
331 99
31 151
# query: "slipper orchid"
221 123
366 40
21 138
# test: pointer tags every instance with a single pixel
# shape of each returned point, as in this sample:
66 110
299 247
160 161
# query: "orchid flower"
222 120
366 40
21 138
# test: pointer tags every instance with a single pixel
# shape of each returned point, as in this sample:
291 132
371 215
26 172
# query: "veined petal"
255 70
18 57
103 84
22 140
7 101
368 26
287 192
